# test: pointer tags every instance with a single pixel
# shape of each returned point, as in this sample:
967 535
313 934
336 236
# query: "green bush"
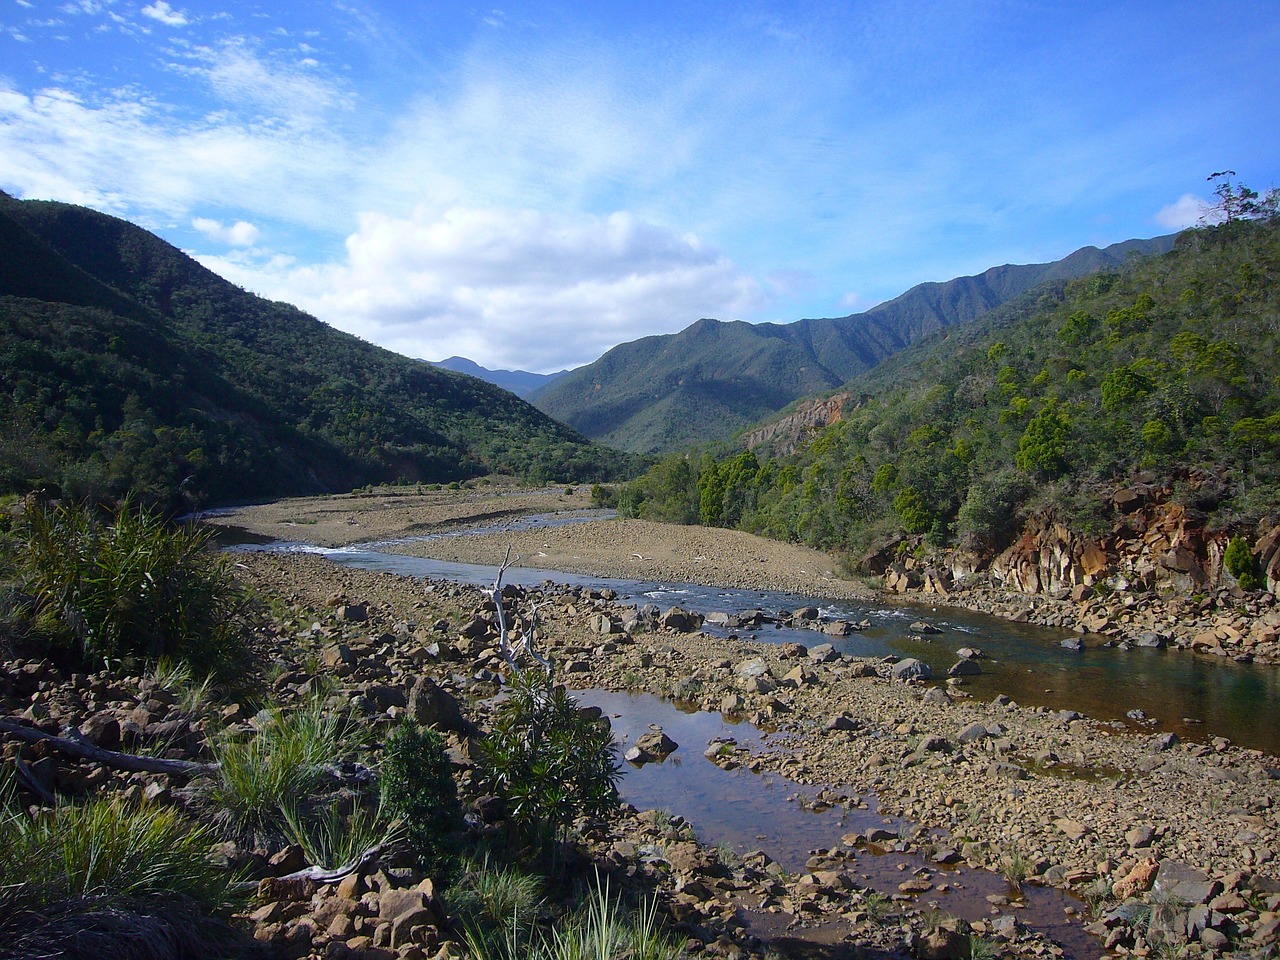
418 787
131 587
1240 563
109 879
548 760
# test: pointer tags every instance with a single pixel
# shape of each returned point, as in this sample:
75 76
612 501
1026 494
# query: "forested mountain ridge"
127 366
714 378
1164 368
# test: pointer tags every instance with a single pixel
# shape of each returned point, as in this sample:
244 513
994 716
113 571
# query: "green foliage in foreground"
549 761
418 787
130 586
600 929
108 879
1166 365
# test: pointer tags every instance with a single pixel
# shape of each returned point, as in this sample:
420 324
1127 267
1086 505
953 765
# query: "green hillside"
125 365
1166 365
714 378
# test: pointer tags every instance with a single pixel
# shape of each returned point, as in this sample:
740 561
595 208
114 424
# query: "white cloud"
164 13
239 234
1186 212
854 302
509 288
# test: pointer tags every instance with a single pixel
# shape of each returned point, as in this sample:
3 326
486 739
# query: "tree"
1043 447
1238 202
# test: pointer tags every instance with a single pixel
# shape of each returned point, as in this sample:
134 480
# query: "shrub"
107 878
548 760
1240 563
131 587
418 787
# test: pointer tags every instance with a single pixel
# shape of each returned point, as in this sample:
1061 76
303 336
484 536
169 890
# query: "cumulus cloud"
165 14
509 288
239 234
1186 212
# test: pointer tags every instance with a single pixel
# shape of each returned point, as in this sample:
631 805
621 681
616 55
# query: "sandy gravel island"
612 547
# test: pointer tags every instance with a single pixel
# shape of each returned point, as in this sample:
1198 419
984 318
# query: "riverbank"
616 547
1059 798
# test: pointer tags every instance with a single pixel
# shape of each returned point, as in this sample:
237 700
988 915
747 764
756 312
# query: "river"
1193 696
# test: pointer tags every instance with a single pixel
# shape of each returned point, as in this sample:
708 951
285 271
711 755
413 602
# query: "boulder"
432 706
910 668
681 620
964 668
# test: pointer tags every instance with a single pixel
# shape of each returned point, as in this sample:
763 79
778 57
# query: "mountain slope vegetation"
127 366
714 378
1166 366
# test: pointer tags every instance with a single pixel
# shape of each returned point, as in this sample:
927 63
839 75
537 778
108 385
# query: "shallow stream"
1194 696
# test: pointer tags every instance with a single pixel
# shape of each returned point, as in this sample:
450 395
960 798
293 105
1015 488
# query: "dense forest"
125 366
714 378
1166 366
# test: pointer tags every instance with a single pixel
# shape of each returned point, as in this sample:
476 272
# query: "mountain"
714 378
520 382
1068 408
125 366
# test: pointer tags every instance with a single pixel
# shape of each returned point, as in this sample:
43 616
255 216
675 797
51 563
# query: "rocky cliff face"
786 434
1156 578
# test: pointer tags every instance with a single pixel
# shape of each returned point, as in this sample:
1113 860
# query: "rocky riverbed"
1056 797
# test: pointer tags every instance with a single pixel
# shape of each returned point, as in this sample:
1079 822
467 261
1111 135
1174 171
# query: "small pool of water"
747 811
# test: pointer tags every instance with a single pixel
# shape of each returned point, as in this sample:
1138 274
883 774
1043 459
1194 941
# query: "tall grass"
601 929
277 768
130 586
330 838
106 878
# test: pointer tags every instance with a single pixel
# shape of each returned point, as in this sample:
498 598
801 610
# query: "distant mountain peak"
520 382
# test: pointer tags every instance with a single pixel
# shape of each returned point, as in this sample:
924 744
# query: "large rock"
681 620
911 669
432 706
1176 879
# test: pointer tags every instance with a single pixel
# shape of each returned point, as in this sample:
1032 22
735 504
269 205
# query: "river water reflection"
1194 696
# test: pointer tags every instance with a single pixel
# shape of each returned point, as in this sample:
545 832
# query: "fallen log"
77 746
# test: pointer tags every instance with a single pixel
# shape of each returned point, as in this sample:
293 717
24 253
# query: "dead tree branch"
523 644
75 745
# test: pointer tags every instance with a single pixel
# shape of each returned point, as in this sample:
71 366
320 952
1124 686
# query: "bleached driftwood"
523 644
76 745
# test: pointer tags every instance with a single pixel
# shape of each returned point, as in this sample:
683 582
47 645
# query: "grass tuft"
107 878
277 768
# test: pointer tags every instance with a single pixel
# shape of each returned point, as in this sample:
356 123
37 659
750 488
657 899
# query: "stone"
920 626
973 733
964 668
823 653
1176 879
1140 836
1137 881
656 744
681 620
970 653
910 668
353 612
1073 829
432 706
1075 644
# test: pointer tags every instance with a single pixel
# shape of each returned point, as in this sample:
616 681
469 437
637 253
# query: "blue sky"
531 184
